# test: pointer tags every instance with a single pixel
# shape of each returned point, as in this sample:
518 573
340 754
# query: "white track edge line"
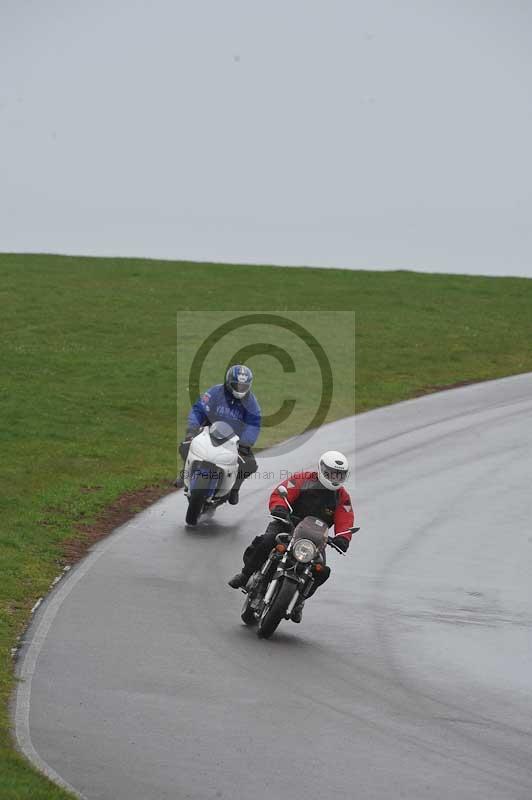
26 670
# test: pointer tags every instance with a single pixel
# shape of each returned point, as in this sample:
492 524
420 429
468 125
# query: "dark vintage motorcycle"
287 575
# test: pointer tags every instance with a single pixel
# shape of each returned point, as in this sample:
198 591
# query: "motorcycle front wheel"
276 610
195 506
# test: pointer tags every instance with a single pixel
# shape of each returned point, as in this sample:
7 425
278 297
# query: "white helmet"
333 469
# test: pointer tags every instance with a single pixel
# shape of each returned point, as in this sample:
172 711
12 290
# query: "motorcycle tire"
195 506
196 501
276 609
198 495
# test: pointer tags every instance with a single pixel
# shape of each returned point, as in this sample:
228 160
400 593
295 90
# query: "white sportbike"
211 469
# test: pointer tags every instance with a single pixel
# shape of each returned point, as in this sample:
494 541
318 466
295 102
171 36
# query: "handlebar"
283 537
335 546
282 491
290 523
286 521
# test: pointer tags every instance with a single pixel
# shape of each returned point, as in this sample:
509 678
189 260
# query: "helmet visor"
335 475
240 388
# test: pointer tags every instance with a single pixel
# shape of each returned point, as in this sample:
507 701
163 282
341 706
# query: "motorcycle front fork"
273 583
299 595
302 592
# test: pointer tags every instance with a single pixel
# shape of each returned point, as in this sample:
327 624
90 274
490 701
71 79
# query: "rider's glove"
280 511
185 444
341 542
244 449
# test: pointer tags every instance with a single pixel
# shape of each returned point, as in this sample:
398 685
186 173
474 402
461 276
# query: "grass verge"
87 396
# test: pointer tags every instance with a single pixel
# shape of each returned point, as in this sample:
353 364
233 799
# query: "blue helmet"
238 380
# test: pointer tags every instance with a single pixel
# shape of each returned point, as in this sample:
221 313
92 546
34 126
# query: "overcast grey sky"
357 134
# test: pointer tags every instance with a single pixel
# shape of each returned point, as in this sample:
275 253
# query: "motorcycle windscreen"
314 529
220 432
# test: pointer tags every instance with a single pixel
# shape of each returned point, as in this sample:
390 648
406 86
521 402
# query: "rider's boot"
239 580
233 495
297 612
180 480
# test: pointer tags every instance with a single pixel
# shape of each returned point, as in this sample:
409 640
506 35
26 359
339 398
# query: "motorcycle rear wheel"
276 610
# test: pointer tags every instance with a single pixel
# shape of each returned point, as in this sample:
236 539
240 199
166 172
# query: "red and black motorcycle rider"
316 493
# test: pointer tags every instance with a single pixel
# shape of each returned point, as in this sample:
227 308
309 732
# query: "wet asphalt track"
410 675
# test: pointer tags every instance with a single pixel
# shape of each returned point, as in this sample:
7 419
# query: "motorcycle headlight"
304 550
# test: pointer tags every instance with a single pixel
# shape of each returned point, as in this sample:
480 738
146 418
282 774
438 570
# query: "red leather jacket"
308 497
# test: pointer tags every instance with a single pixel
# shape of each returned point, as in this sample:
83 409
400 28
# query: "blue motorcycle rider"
235 403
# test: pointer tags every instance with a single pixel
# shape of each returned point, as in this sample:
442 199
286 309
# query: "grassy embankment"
87 396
